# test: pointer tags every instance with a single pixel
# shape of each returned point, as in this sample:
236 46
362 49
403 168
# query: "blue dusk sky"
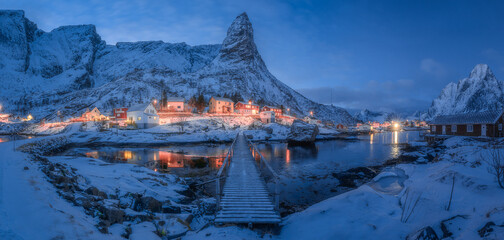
381 55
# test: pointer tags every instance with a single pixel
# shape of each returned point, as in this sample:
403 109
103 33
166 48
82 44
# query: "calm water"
306 172
161 158
8 138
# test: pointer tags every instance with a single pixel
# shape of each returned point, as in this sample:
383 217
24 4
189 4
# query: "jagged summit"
481 71
239 45
479 92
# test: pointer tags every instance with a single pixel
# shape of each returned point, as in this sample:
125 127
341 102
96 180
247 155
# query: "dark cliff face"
239 45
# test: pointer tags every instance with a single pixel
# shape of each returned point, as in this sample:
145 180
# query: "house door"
483 130
444 130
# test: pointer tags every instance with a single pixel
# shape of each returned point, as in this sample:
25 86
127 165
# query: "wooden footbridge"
245 197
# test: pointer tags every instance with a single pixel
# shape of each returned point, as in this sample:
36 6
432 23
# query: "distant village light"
311 113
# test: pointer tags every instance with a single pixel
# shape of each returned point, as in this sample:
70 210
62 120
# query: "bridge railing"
275 176
224 166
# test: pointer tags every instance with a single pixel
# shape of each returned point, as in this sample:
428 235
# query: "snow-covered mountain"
481 91
71 68
371 116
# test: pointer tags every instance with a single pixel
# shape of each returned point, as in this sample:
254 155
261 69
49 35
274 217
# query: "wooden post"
218 192
277 194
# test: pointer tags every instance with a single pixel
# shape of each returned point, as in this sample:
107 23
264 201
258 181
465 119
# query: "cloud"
379 96
433 67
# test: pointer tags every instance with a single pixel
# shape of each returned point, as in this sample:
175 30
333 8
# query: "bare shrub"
408 206
495 161
181 123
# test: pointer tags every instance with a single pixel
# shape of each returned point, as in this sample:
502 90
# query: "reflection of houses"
469 124
277 111
220 105
170 160
143 115
267 117
246 108
175 104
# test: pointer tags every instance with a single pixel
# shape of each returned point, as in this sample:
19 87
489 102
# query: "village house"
93 115
119 114
220 105
485 124
143 115
267 117
246 108
277 111
175 104
341 126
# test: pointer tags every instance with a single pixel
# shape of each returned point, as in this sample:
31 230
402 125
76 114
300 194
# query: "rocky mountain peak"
239 46
481 71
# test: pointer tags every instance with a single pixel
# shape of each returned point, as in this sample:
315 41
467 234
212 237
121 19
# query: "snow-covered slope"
481 91
71 68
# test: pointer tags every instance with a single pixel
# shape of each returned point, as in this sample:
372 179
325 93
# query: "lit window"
470 128
139 118
454 128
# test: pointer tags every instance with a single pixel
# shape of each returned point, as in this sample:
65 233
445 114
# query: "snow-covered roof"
151 114
489 117
222 99
138 107
270 107
175 99
246 103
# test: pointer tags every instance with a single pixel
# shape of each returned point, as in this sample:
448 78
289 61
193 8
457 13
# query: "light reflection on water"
159 159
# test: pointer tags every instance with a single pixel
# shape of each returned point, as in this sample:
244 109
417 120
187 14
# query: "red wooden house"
469 124
247 108
277 111
119 114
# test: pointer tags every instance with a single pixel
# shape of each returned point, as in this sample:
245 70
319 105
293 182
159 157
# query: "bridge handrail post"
275 175
221 170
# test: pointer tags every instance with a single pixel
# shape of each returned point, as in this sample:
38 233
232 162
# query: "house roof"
138 107
489 117
222 99
270 107
151 114
246 103
175 99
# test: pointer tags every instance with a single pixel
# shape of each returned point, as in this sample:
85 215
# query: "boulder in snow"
302 133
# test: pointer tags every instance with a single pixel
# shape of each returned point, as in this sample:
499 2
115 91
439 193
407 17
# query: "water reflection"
8 138
161 159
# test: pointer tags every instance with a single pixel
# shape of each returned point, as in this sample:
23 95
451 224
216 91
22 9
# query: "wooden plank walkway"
245 197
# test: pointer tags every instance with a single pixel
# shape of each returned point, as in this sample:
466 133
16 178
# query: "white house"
143 115
175 104
267 117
